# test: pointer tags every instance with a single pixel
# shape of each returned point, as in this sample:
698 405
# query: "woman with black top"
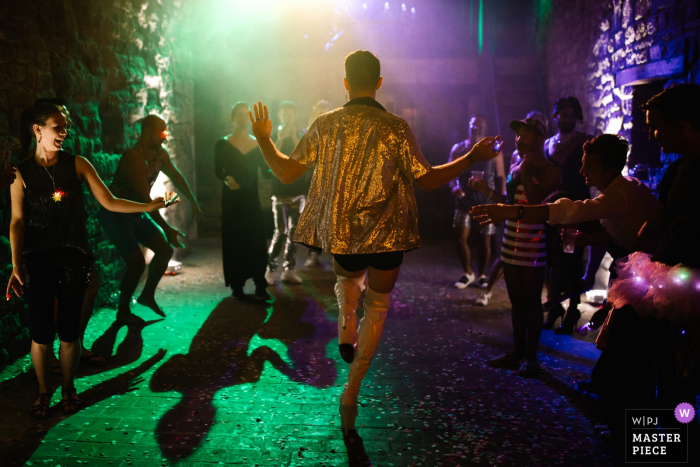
51 260
244 249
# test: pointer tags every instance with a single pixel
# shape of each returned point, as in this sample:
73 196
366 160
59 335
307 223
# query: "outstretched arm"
179 181
441 174
286 169
105 197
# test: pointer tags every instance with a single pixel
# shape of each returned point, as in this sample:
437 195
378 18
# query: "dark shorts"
382 261
128 231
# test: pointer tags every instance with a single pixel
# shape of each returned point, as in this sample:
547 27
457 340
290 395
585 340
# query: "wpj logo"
657 435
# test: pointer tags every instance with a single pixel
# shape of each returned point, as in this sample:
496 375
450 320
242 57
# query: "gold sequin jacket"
361 198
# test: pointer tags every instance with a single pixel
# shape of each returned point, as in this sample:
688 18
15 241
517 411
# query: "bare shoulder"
164 154
81 162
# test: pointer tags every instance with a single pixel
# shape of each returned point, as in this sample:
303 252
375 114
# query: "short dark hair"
362 70
287 104
611 151
568 101
677 102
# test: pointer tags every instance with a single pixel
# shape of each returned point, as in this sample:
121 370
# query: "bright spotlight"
364 5
386 6
403 7
413 10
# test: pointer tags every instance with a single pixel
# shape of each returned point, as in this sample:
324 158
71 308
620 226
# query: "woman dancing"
51 259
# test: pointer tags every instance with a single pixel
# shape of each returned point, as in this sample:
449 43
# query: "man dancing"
137 171
361 207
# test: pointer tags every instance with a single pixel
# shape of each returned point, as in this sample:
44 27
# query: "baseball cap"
531 124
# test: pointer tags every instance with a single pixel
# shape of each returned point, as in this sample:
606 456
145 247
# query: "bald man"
137 171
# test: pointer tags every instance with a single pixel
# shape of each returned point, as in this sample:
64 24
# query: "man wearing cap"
523 253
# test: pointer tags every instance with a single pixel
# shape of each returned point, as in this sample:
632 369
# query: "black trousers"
51 276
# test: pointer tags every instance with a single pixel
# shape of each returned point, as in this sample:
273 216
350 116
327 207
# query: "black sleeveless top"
53 218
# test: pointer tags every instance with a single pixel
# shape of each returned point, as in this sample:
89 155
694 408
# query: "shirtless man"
137 171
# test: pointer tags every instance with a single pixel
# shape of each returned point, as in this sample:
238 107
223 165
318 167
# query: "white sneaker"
465 280
270 276
288 275
312 261
483 281
483 299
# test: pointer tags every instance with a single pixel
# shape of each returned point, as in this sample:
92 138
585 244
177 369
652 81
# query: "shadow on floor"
231 349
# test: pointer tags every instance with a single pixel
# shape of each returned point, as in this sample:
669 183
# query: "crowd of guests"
650 324
648 358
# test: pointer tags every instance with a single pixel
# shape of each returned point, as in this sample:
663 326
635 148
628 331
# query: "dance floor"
226 382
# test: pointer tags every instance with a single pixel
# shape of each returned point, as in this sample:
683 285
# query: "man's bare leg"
135 265
162 252
485 253
463 251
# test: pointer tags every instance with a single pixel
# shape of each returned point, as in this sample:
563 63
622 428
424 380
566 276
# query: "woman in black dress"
51 259
237 162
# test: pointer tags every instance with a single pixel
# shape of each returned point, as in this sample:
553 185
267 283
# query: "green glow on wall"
544 9
481 25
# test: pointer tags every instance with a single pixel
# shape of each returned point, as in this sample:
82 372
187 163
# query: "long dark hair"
34 115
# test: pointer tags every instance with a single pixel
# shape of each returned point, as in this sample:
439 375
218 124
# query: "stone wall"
115 62
590 41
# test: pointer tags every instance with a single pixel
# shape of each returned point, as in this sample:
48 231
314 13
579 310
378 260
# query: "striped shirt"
523 244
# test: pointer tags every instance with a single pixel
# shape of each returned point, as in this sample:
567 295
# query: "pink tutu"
655 289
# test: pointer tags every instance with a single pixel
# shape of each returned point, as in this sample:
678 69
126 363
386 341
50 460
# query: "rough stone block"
18 73
641 9
8 54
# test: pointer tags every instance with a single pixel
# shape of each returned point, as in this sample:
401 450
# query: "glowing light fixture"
413 10
403 7
364 5
386 6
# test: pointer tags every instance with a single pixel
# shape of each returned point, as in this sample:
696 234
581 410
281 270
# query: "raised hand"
484 149
262 126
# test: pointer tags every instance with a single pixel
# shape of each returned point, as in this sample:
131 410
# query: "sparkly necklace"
57 194
565 140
